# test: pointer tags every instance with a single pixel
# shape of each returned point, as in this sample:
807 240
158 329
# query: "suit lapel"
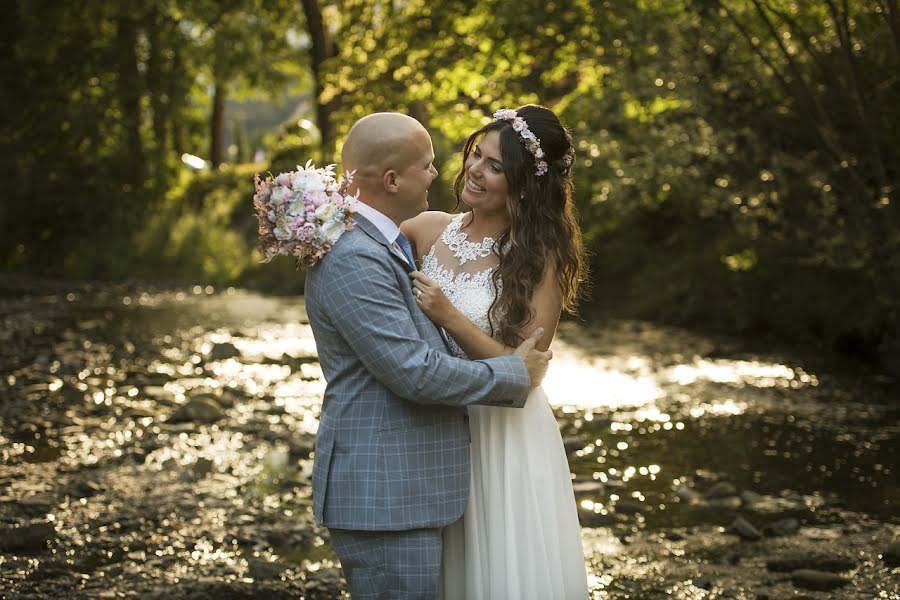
373 232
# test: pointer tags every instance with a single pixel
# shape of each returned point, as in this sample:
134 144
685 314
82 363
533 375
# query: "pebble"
86 489
817 580
201 410
264 570
743 528
224 351
723 489
726 502
626 507
750 498
688 495
32 537
782 527
573 443
202 467
817 563
702 583
891 555
589 487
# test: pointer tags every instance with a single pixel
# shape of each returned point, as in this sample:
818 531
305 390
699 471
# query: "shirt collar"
385 225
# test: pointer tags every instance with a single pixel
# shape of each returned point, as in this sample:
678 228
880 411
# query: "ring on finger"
418 293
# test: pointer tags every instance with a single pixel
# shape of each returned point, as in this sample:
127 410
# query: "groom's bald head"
380 142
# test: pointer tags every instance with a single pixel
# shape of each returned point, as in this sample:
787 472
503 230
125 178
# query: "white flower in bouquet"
302 213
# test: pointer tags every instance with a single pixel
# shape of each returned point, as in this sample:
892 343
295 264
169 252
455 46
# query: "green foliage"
203 231
736 161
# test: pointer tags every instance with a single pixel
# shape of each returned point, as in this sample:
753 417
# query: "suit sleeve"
365 304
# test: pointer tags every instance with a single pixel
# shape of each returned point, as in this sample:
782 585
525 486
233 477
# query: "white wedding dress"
519 538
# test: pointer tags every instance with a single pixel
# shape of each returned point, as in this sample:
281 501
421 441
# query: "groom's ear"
389 180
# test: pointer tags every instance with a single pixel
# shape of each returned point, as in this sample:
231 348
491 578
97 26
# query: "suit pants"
390 565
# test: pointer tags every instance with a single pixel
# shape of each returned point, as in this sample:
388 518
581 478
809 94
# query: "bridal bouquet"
302 213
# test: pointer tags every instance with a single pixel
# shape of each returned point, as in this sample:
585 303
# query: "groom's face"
418 175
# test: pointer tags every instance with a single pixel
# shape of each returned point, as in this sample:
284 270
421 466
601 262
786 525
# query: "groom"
392 452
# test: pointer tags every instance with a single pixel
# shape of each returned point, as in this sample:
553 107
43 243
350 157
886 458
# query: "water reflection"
573 380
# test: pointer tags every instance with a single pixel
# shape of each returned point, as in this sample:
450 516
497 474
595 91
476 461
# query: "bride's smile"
486 186
473 187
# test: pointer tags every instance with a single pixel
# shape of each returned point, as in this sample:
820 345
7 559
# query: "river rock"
595 488
817 580
688 495
589 518
202 467
701 582
263 570
723 489
200 409
573 443
726 502
86 489
750 498
32 537
626 507
892 554
816 563
37 505
743 528
782 527
224 351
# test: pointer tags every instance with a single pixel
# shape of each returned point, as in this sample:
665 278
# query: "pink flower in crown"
530 141
283 180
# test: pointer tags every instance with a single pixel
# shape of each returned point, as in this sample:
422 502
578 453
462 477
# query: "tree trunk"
177 91
892 15
322 50
156 89
216 125
129 92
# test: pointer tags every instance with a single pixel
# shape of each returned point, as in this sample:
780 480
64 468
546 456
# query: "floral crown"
532 143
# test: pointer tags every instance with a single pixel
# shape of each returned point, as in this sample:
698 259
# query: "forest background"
737 166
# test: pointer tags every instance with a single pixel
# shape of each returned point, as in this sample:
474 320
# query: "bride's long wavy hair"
543 223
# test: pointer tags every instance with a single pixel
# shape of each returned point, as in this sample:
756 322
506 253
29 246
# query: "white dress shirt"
385 225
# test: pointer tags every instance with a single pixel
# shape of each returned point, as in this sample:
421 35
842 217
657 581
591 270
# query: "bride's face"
486 186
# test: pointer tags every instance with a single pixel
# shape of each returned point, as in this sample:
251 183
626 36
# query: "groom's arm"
366 306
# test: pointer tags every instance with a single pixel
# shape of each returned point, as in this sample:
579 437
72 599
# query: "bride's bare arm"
546 303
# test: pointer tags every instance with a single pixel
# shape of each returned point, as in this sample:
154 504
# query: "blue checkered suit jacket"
392 450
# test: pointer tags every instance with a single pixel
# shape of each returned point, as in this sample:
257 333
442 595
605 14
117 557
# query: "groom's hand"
535 361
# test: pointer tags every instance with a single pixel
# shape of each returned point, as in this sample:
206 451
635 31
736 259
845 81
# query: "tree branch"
842 24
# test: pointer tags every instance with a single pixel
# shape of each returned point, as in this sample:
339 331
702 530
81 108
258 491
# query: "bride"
488 276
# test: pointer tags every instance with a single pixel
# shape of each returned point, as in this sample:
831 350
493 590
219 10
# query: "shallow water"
653 417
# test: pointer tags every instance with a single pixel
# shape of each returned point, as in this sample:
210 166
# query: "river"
156 443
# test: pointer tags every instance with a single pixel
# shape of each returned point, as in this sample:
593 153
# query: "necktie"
407 249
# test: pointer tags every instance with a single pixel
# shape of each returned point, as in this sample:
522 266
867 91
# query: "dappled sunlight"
275 340
599 383
740 372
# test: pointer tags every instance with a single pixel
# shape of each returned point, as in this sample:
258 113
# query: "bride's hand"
431 299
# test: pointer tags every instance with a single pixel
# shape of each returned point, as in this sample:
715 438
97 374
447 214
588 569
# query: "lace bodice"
463 270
